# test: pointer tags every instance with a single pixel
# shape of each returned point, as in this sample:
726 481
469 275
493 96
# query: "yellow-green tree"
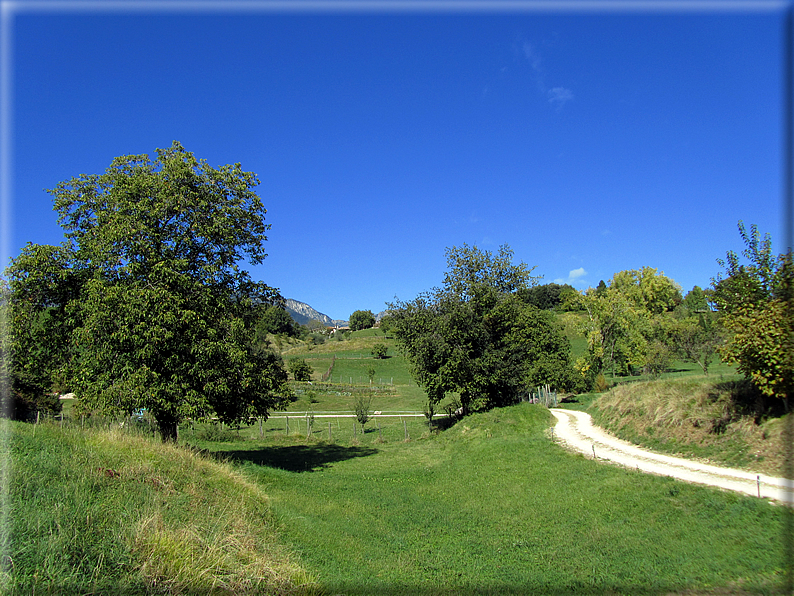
623 322
756 301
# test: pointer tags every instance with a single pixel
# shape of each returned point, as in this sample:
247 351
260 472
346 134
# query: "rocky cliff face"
303 313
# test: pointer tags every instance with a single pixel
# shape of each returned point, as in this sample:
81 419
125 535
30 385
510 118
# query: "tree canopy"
476 337
623 323
361 319
147 296
756 302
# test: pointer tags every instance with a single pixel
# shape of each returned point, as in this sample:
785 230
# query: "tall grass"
721 419
106 512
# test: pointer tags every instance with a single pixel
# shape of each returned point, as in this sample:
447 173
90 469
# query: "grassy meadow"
308 503
493 506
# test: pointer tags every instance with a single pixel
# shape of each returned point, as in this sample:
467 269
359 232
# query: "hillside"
715 418
116 512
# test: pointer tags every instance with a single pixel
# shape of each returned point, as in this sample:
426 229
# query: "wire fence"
544 396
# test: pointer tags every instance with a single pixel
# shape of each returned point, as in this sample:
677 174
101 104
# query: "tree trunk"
168 430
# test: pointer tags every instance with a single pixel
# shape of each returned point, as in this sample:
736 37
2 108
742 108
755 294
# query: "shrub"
601 384
300 369
379 350
361 406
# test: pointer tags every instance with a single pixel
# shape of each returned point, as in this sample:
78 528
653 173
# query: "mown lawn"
493 506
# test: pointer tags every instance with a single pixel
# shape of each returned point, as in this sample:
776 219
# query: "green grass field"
113 512
493 506
489 505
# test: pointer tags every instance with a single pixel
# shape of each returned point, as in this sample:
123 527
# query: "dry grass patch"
106 512
718 420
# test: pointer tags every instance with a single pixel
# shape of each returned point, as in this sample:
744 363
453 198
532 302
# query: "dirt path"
576 430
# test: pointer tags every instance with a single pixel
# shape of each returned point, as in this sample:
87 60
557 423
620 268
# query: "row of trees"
639 321
147 305
487 333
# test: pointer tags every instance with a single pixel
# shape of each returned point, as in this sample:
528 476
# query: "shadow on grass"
575 587
297 458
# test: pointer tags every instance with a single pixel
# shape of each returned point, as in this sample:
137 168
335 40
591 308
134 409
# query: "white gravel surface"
576 430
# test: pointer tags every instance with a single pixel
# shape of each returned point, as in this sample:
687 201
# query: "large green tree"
361 319
756 300
148 297
476 337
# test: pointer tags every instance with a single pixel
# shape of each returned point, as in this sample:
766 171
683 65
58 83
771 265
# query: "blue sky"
590 142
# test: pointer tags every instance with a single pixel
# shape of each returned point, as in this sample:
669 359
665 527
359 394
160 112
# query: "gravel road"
576 430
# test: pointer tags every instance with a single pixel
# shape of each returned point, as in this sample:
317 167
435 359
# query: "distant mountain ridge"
303 313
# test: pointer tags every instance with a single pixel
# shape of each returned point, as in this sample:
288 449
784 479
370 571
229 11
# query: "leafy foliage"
361 406
624 323
696 338
547 296
300 369
277 321
476 337
756 302
361 319
148 302
379 350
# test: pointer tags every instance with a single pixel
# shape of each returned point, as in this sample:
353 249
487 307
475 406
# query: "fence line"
327 374
544 396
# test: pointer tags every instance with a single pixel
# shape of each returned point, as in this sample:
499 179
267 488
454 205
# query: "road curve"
576 429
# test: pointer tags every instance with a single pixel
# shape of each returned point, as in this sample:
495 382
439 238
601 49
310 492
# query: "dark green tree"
361 319
696 301
546 296
379 350
476 337
157 310
277 321
300 369
42 284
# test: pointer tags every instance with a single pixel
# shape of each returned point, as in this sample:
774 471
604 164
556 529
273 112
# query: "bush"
657 359
601 384
379 351
300 369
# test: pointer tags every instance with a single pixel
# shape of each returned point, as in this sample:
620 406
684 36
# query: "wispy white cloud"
532 57
559 96
574 277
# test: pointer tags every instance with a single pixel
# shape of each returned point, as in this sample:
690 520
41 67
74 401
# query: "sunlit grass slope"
106 512
711 417
493 506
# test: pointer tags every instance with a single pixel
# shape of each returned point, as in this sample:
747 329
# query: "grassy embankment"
113 512
701 417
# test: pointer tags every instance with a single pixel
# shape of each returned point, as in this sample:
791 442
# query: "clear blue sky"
590 142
